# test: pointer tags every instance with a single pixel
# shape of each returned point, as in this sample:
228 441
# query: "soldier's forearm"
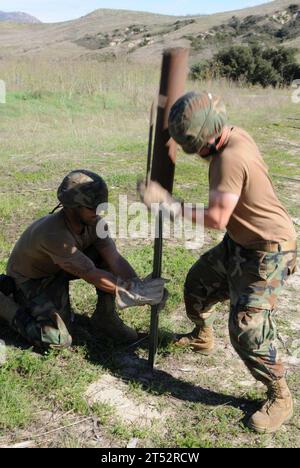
103 280
123 269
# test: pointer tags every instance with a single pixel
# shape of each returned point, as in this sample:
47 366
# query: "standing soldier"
64 246
256 256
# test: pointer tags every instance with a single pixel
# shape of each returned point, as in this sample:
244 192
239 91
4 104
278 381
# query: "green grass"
30 382
46 132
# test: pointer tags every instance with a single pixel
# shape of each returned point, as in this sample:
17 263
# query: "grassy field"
96 395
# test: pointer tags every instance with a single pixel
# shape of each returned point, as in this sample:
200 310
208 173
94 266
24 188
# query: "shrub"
264 74
201 71
254 65
236 62
293 8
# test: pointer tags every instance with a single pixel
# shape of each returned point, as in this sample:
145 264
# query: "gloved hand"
154 193
137 292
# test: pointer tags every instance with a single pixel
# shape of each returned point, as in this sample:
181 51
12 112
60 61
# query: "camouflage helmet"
82 188
196 118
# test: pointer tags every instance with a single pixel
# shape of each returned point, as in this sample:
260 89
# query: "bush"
253 65
290 31
237 63
201 71
293 8
264 74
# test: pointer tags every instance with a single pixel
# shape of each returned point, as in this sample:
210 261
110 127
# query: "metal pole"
172 84
157 268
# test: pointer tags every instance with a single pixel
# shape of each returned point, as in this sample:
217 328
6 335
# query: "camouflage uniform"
252 280
47 302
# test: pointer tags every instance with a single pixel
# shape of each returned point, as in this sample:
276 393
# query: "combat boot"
277 410
200 340
107 322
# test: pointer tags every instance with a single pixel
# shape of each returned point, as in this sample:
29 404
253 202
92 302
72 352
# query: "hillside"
106 34
18 17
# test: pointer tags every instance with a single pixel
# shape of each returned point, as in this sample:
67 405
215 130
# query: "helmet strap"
56 208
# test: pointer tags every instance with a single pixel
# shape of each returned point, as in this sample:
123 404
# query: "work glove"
137 292
154 194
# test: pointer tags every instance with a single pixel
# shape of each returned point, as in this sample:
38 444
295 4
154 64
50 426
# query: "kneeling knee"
44 332
55 333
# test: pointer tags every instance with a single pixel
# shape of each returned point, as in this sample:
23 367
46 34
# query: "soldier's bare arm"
217 215
80 266
117 264
101 279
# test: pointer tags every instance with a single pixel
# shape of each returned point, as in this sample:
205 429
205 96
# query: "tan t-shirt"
240 169
49 245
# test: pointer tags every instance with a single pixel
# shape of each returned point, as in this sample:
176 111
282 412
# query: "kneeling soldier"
34 297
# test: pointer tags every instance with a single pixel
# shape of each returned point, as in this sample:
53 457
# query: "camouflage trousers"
252 280
47 301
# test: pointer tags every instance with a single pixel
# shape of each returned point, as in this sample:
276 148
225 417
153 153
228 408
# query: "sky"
62 10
